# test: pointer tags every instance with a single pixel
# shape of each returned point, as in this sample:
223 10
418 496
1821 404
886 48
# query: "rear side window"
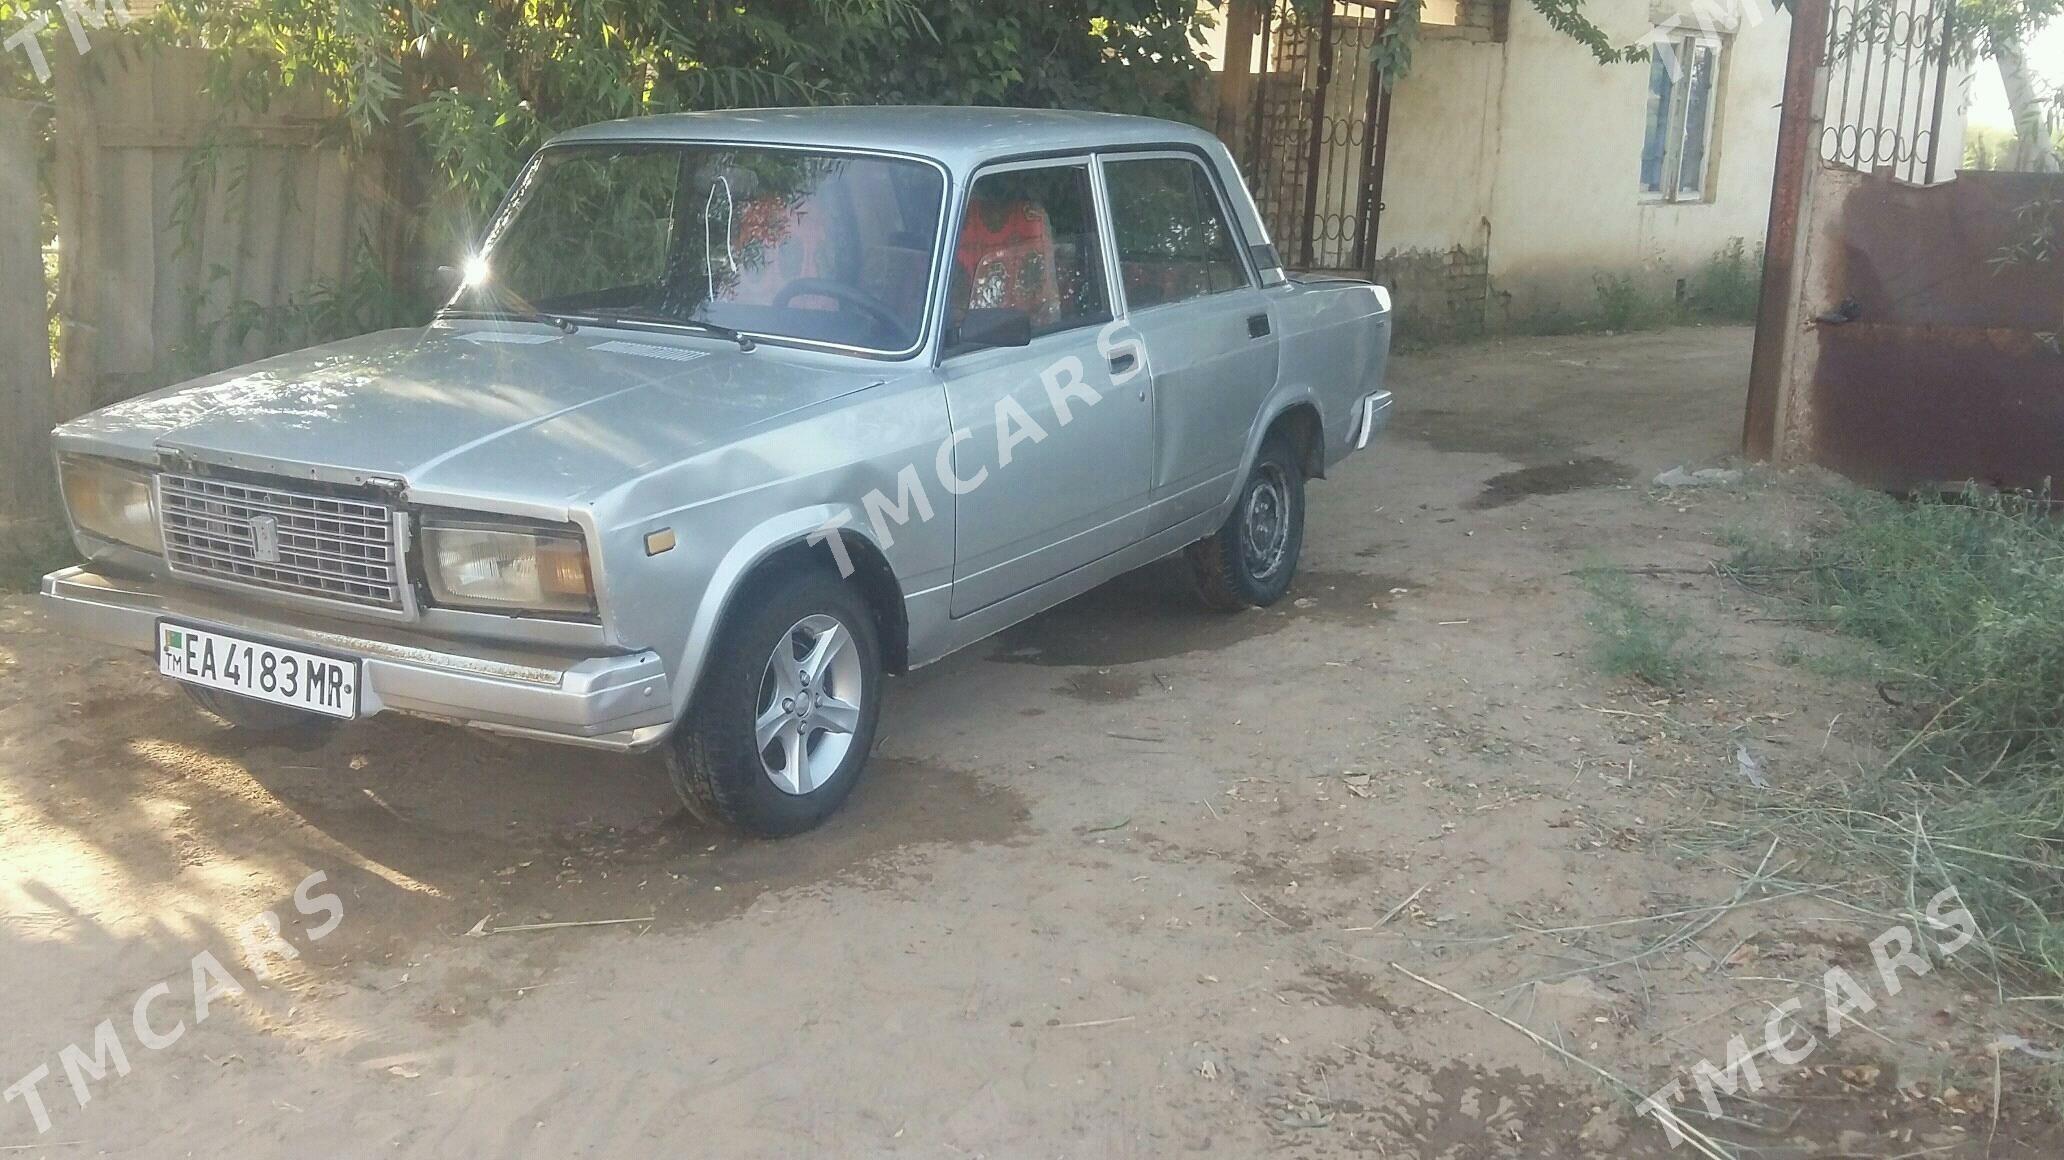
1174 242
1029 242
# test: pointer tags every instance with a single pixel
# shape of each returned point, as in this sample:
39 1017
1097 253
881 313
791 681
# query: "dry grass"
1961 601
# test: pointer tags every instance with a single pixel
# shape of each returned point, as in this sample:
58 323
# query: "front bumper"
607 702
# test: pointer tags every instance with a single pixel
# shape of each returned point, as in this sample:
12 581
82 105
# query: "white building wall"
1513 175
1567 204
1529 151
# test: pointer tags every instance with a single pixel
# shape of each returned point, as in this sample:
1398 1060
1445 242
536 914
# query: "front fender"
727 580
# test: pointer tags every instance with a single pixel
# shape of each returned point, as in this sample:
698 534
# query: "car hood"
482 411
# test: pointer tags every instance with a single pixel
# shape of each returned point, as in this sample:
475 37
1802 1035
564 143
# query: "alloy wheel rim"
808 708
1266 523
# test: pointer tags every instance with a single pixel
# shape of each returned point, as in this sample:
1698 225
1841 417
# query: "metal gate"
1315 144
1909 330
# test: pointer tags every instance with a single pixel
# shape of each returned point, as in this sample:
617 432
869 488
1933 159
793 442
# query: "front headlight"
503 568
112 501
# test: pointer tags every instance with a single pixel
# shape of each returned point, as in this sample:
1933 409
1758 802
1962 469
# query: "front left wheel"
784 717
262 717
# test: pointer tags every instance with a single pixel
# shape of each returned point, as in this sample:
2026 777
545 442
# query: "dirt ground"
1127 881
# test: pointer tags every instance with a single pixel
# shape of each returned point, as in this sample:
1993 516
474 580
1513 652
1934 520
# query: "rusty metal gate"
1316 141
1911 333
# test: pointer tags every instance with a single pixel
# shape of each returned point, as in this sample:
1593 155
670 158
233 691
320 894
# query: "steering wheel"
845 295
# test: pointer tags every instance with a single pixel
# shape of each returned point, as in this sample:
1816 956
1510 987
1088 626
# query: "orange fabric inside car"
775 246
1006 259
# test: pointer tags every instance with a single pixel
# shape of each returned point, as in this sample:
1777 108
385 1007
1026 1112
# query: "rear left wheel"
785 715
1250 561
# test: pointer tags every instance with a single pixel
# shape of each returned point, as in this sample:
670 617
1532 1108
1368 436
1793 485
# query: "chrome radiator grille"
316 545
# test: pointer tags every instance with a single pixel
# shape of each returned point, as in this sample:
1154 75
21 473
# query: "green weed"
1631 639
1730 285
1623 305
29 549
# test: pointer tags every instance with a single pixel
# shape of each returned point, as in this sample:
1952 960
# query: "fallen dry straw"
1705 1145
482 930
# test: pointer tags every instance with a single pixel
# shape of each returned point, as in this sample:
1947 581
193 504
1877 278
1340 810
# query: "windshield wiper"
613 317
565 326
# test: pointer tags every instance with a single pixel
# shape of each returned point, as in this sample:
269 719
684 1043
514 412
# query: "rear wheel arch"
1300 423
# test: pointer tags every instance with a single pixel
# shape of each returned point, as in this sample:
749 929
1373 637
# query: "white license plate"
264 672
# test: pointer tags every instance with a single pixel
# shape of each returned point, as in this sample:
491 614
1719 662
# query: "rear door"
1197 308
1050 460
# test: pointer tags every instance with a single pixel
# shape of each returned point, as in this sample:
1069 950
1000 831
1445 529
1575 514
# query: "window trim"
1682 43
513 197
942 290
1242 255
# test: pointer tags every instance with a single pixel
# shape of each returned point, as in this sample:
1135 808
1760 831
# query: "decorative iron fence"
1315 145
1889 87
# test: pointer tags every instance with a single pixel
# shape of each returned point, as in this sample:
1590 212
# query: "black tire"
255 716
1232 569
714 758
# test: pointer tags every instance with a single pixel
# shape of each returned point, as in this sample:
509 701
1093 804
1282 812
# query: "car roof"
961 137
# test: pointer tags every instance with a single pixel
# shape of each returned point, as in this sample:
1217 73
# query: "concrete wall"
1444 143
1434 239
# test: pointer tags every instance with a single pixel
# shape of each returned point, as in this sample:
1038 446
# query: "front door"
1207 328
1053 442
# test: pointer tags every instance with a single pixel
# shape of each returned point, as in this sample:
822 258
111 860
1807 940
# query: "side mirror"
994 326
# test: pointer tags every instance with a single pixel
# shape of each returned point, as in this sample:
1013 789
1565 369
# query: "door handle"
1257 326
1120 363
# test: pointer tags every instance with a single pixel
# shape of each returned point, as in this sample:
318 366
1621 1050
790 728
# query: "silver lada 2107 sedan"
731 415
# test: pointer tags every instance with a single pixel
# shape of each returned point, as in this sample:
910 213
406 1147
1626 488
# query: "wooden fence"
176 217
26 405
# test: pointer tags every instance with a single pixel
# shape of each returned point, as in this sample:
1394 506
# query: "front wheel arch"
872 575
745 716
794 539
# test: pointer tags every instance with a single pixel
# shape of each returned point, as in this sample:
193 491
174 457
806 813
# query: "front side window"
777 243
1676 151
1173 240
1029 243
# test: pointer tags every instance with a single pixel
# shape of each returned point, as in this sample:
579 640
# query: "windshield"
771 242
